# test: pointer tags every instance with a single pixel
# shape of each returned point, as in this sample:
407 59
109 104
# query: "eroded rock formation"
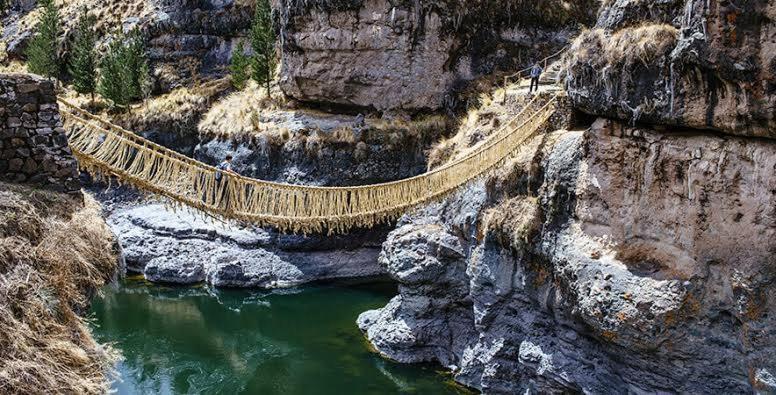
701 64
410 55
632 261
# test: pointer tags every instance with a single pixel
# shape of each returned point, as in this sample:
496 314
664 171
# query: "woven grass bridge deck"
104 148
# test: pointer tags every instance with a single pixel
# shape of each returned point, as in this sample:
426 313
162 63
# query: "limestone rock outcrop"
613 260
390 55
181 247
689 63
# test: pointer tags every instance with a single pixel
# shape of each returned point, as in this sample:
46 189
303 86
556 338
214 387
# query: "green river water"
302 341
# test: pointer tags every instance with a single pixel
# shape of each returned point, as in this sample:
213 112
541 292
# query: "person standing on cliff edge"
536 72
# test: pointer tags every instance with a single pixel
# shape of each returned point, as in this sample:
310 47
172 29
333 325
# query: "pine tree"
146 83
83 60
134 59
124 71
42 55
263 44
239 67
114 76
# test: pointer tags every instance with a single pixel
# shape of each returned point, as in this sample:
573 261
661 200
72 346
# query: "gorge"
628 246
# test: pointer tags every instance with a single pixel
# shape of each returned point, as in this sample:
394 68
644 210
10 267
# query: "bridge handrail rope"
85 115
102 147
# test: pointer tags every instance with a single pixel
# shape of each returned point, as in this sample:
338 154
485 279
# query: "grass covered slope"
55 251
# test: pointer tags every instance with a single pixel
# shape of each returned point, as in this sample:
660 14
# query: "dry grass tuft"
19 218
13 67
514 221
250 116
52 259
473 129
626 47
642 43
177 111
237 116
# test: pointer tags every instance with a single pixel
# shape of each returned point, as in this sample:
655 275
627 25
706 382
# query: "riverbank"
55 252
180 246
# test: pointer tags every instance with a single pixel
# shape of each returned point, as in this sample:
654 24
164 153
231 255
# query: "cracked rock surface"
182 247
613 260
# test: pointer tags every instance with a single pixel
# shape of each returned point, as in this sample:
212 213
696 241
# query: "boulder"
177 269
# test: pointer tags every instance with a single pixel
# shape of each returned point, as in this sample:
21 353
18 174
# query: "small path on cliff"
548 83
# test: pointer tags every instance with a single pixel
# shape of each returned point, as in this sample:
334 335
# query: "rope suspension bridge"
109 150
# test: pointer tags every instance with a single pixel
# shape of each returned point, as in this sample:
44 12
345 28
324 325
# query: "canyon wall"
635 255
613 260
694 63
389 55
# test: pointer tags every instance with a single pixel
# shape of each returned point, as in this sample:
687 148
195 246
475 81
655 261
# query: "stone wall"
33 145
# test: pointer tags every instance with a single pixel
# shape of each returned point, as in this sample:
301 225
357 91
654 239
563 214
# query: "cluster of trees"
123 74
261 64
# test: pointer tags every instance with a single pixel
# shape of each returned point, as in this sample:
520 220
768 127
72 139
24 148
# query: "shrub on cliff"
626 47
42 57
83 60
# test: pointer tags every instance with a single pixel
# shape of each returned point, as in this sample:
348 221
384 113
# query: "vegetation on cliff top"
54 253
42 53
250 115
83 60
642 44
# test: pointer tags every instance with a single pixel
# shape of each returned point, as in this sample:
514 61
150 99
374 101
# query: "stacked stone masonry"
33 144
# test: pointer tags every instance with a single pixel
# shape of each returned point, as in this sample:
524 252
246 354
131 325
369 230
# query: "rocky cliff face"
183 247
631 262
412 55
701 64
614 259
327 149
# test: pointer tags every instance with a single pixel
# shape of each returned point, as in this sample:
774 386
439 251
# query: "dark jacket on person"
536 71
224 166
